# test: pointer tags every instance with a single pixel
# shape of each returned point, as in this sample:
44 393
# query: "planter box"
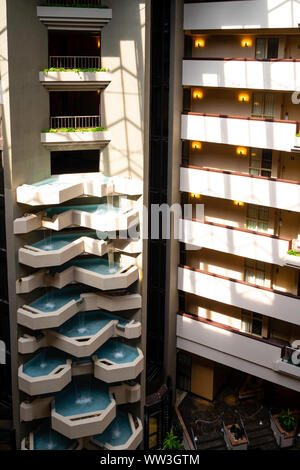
283 438
88 140
75 81
74 19
232 443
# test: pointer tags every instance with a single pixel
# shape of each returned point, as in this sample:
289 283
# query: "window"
255 272
260 162
257 218
153 432
184 367
252 323
263 105
266 48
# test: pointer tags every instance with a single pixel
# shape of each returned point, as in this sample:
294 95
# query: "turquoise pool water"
117 352
62 181
44 362
99 209
117 433
56 242
56 298
97 265
45 438
87 323
84 394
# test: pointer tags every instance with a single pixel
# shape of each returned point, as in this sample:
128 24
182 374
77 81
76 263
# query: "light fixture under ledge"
196 145
199 42
246 42
244 97
197 94
195 195
238 203
241 151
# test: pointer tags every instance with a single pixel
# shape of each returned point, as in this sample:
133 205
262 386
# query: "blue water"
44 362
117 433
117 352
56 242
99 209
87 323
51 180
57 298
45 438
97 265
61 180
84 394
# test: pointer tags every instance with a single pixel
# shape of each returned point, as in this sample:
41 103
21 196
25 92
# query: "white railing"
77 122
74 62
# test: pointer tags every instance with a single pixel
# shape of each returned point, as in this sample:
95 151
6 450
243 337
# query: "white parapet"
274 304
251 14
79 140
249 132
251 189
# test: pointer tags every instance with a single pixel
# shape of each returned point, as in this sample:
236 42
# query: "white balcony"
279 75
75 81
239 351
73 18
238 130
258 190
124 433
78 140
268 302
239 242
254 14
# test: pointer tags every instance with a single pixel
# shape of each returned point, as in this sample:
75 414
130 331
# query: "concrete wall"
123 52
24 52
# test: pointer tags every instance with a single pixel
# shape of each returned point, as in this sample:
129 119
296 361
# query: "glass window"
252 323
257 218
255 272
153 432
260 162
266 48
263 105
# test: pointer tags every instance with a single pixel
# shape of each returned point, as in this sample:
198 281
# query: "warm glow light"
199 42
238 203
244 97
246 43
197 94
195 195
196 145
241 151
98 43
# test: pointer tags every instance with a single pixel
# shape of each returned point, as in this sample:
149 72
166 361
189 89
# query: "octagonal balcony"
47 372
94 272
83 408
57 306
45 438
124 433
61 188
115 361
84 333
103 217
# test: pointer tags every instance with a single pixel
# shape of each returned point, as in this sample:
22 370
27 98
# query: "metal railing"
77 122
70 3
291 355
74 62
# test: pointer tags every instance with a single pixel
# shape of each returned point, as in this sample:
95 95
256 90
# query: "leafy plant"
287 420
294 253
171 442
76 70
72 129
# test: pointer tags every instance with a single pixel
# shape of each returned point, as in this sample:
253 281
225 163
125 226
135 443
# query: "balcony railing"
74 62
77 122
72 3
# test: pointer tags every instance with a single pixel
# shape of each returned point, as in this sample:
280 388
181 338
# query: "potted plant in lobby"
284 426
171 442
235 437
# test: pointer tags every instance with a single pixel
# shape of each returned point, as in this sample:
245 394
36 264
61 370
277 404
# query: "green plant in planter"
171 442
287 420
76 70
